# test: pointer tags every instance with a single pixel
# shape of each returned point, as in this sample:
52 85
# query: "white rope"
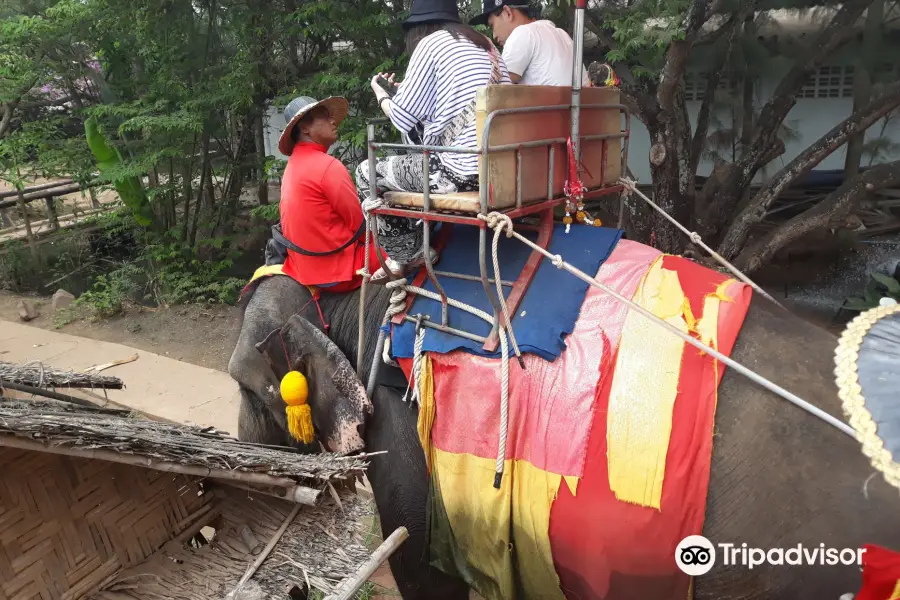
399 289
559 263
498 222
397 306
417 365
504 374
631 186
370 204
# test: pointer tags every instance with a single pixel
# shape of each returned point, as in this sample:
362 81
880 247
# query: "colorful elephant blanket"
609 448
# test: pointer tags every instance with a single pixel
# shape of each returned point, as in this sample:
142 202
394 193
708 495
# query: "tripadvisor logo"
695 555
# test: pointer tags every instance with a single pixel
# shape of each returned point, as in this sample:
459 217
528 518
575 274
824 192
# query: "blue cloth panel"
548 311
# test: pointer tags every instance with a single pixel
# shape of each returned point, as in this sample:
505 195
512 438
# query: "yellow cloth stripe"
644 387
426 409
491 527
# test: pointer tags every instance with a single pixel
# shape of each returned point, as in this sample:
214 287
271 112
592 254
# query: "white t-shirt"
541 53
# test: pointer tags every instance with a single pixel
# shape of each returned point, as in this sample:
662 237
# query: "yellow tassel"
299 418
294 392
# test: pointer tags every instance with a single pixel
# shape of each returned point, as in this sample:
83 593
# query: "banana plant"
108 161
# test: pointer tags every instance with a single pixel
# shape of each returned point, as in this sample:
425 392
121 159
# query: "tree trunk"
864 68
263 181
672 186
29 234
822 215
206 189
171 219
187 183
6 117
756 210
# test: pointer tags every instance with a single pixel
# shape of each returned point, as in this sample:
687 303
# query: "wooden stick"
351 585
266 551
159 465
46 393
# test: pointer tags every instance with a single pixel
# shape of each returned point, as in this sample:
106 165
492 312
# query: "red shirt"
320 211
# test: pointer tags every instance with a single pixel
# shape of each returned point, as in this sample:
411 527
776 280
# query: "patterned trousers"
400 237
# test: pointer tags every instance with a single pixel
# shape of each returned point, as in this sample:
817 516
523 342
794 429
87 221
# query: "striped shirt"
441 81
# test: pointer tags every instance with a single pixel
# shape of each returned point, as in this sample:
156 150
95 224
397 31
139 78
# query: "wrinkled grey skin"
779 477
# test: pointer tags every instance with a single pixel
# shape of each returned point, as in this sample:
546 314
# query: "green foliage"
879 286
266 212
112 291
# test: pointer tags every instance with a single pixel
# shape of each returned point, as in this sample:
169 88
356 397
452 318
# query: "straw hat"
300 107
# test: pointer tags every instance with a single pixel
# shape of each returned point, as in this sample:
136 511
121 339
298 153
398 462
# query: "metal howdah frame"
543 207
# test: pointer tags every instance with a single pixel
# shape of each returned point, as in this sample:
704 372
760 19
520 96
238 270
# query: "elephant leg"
400 483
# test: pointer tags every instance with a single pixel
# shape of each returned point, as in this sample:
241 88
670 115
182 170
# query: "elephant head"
336 396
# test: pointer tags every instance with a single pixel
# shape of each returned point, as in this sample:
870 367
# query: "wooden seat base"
466 202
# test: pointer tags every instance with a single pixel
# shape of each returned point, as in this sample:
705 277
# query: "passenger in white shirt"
536 52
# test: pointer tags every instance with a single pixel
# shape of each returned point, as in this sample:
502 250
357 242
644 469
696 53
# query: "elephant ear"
867 373
336 396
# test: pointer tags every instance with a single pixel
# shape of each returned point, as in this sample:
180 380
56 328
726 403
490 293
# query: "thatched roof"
133 439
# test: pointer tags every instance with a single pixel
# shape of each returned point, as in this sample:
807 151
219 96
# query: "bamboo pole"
348 588
306 497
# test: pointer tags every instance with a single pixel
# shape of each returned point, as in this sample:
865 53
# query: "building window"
695 85
832 81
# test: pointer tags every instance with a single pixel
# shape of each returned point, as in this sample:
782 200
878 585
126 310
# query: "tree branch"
724 188
712 84
857 123
46 103
836 205
838 32
677 55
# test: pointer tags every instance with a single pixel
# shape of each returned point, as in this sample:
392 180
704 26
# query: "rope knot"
498 222
557 261
370 204
695 237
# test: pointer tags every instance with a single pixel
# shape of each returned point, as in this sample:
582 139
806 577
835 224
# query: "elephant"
779 476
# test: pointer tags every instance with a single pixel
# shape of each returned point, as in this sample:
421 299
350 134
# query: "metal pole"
373 192
426 238
578 45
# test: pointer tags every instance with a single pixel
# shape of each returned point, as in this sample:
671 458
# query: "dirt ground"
200 335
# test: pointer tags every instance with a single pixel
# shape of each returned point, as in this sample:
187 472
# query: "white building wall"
810 118
274 125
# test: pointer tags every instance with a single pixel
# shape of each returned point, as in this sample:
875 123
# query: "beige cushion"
466 202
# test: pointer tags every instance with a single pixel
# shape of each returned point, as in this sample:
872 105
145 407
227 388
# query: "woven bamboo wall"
67 524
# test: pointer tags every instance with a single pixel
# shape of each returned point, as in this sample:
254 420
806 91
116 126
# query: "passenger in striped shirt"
449 62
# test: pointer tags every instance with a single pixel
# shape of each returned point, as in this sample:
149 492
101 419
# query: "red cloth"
609 557
320 211
881 574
